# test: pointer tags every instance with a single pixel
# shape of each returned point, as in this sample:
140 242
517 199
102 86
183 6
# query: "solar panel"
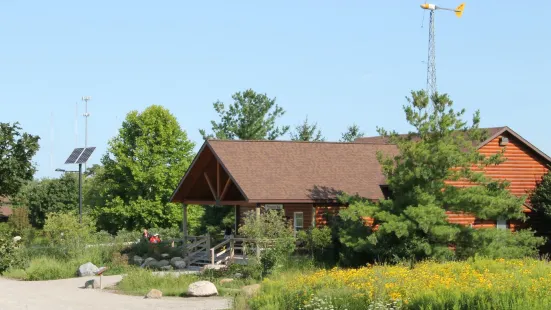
74 155
85 155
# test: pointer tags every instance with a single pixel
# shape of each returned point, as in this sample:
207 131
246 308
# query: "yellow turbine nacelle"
458 10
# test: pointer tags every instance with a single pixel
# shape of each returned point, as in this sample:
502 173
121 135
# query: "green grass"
140 281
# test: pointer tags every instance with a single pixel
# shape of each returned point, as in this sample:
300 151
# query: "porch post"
184 229
257 209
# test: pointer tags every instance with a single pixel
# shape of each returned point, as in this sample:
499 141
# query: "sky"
337 62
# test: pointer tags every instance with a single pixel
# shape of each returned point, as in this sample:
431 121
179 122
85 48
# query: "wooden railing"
229 250
196 248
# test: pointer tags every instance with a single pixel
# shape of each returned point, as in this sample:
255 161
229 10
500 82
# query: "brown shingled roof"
302 171
385 140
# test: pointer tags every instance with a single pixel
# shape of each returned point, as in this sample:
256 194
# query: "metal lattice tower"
431 63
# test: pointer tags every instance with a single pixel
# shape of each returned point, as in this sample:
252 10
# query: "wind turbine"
431 64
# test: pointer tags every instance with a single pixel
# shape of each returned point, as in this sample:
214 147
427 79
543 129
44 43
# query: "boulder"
224 281
178 263
214 267
166 268
137 260
250 290
162 263
87 270
154 294
165 256
202 289
149 262
238 275
91 284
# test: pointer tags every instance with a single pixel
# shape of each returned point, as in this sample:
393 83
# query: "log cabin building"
303 179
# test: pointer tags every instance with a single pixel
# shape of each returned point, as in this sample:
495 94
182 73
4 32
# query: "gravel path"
68 295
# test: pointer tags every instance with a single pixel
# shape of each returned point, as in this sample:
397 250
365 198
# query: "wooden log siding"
522 168
289 209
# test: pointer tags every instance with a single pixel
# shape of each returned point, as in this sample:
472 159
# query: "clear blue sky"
338 62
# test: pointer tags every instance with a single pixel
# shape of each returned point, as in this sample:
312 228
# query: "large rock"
87 270
154 294
214 267
166 268
91 284
178 263
137 260
251 290
224 281
149 262
165 256
202 289
161 264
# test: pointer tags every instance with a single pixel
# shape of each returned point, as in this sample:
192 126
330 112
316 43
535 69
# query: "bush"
497 243
316 240
9 253
46 268
271 233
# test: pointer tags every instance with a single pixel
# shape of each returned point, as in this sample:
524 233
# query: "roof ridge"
291 141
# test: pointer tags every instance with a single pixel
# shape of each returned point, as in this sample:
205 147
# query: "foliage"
413 224
19 221
497 243
214 219
9 253
252 116
316 239
16 152
271 232
141 169
307 132
480 284
540 197
48 195
352 133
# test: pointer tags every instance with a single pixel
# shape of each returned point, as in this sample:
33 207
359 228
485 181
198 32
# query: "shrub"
497 243
9 253
316 240
46 268
271 233
64 231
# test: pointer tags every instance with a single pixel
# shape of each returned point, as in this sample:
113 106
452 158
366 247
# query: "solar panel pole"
86 115
80 193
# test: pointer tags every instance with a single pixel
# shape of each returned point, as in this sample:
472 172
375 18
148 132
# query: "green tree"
16 152
413 224
307 132
141 169
252 116
540 197
45 196
352 133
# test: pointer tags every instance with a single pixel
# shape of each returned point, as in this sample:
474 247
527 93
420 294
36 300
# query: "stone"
202 289
178 263
166 268
238 275
165 256
224 281
87 270
154 294
214 267
251 290
137 260
91 284
162 263
149 262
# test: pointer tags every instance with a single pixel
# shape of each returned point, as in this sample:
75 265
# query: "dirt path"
68 295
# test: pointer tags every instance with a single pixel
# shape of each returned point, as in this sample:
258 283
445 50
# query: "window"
299 220
501 223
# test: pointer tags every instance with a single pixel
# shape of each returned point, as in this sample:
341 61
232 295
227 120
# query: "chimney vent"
503 141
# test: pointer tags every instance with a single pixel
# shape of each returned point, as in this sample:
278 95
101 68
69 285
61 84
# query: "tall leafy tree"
46 196
251 116
307 132
141 169
17 149
352 133
413 224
